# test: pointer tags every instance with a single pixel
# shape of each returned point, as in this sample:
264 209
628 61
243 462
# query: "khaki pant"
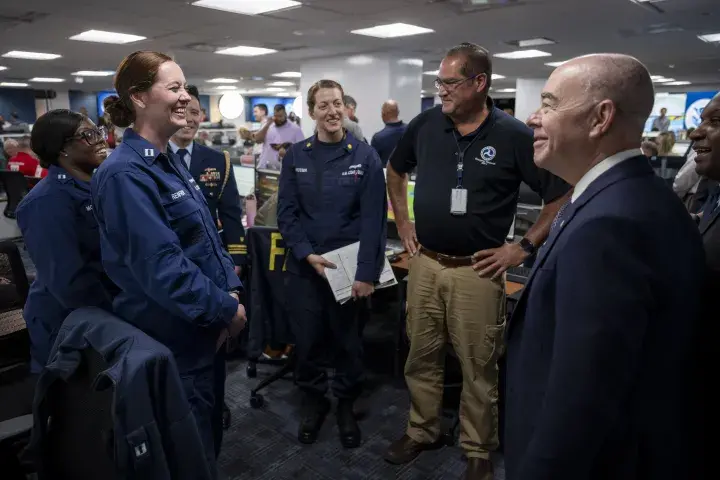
455 305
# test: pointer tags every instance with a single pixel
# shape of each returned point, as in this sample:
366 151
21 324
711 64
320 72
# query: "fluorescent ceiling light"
506 90
222 80
677 83
243 51
535 42
31 55
555 64
274 89
431 72
415 62
247 7
663 80
710 38
226 87
100 36
360 60
392 30
281 84
520 54
287 75
496 76
47 80
13 84
94 73
2 68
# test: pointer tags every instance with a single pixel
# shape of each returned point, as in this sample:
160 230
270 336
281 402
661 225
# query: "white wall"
527 96
62 100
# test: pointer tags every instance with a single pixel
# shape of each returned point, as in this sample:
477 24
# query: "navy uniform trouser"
326 334
217 416
199 388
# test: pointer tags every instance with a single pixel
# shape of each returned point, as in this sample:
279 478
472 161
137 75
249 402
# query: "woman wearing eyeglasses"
59 229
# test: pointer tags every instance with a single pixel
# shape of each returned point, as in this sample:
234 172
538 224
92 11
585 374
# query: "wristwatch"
527 245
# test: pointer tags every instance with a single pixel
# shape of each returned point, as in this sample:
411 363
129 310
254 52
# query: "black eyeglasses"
453 83
92 136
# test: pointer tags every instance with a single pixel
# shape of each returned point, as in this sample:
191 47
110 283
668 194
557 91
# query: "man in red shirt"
25 161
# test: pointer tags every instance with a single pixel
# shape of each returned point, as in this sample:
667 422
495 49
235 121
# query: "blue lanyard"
461 158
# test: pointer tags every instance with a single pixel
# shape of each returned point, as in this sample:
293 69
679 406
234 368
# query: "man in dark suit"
213 173
599 350
706 143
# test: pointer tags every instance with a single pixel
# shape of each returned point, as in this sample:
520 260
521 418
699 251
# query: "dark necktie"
712 203
558 218
181 153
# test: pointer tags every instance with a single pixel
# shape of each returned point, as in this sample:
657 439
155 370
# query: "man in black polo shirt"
470 159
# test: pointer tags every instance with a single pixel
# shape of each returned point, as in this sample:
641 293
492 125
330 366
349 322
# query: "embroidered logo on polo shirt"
487 154
88 208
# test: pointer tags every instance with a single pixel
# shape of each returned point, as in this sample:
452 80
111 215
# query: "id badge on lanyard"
458 197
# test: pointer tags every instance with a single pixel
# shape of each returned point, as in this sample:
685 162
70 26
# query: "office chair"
80 435
16 187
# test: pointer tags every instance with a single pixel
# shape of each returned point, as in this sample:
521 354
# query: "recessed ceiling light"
47 80
281 84
415 62
2 68
247 7
13 84
533 42
31 55
94 73
287 75
506 90
663 80
222 80
257 79
520 54
243 51
677 83
360 60
431 72
555 64
710 38
496 76
392 30
100 36
274 89
226 87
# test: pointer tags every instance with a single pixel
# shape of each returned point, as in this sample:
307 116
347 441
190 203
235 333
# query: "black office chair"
16 187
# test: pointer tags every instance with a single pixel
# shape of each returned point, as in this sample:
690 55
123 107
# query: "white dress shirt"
601 168
174 148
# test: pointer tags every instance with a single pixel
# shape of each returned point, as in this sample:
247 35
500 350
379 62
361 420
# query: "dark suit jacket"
207 167
600 345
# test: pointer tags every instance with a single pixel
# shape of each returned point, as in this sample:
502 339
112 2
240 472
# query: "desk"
510 287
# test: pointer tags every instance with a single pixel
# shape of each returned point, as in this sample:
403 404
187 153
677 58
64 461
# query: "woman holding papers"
331 195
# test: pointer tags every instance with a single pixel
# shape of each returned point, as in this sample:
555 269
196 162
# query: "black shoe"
226 417
347 425
313 414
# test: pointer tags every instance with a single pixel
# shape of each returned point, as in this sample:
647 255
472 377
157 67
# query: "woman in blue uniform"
59 229
159 242
331 194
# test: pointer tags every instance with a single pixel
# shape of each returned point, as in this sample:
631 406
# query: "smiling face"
193 116
164 105
706 141
87 149
328 111
561 124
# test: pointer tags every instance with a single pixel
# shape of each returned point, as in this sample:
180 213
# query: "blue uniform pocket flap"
181 208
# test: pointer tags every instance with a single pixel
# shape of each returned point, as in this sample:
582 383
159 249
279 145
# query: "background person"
160 244
385 141
331 194
274 135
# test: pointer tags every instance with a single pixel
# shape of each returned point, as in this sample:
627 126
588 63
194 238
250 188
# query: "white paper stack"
341 279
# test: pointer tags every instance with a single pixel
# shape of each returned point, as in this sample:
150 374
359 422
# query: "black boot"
313 413
347 425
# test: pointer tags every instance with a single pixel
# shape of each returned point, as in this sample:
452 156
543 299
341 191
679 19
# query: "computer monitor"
245 179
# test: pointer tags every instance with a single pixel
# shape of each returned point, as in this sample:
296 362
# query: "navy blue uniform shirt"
332 195
161 247
61 235
385 141
209 168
